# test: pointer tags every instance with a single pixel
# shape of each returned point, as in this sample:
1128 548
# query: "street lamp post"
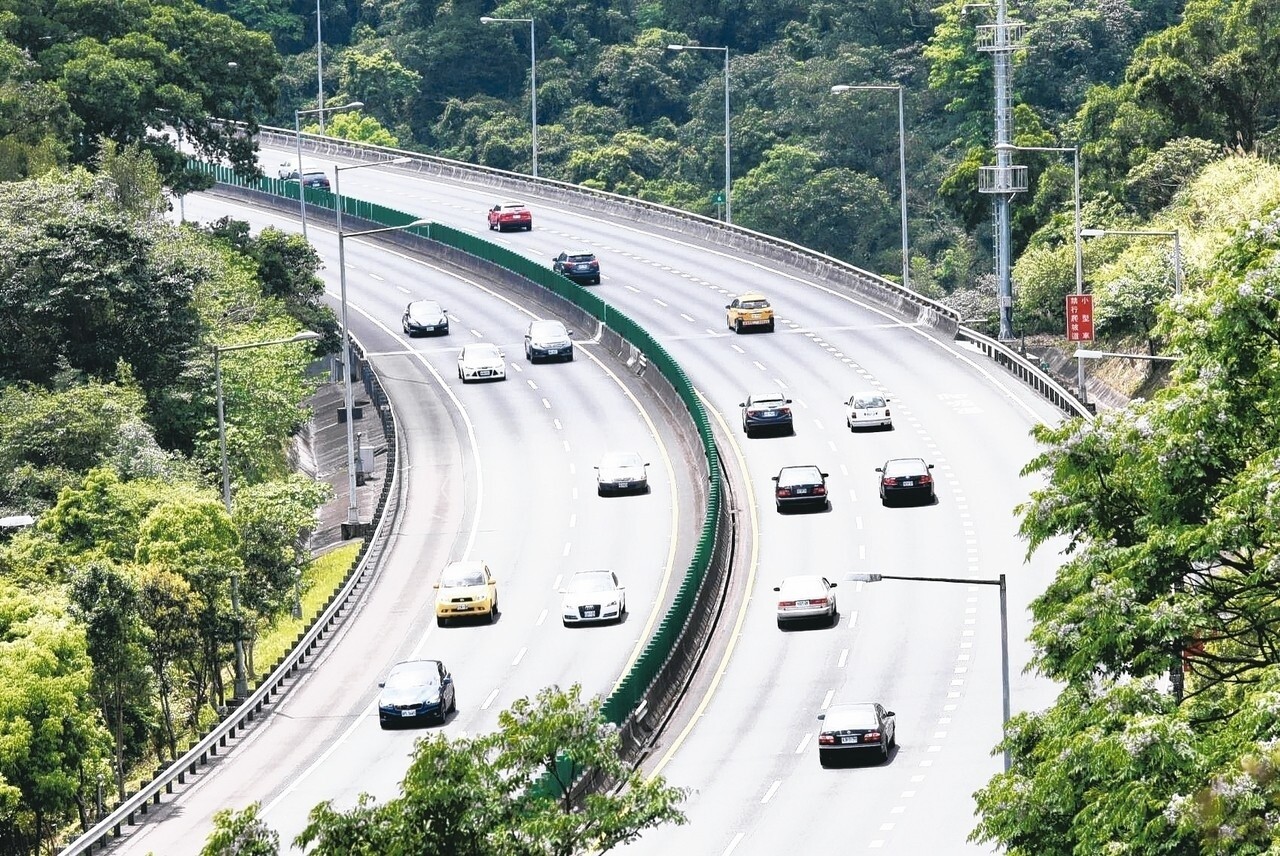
242 682
533 77
353 512
902 166
1079 246
319 79
297 137
728 204
1004 626
1177 247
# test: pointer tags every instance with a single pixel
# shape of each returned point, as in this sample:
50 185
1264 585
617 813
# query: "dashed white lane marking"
488 701
759 365
632 288
659 302
402 289
373 275
857 520
573 468
773 789
556 422
541 618
519 656
573 520
566 548
738 349
826 701
532 385
546 404
804 741
737 839
566 445
688 318
844 658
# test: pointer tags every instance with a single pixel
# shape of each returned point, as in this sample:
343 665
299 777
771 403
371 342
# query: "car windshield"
458 577
480 352
589 582
581 257
417 676
868 401
612 460
755 304
767 400
861 717
905 467
799 475
546 328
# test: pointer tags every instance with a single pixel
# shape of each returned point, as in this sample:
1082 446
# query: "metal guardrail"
243 715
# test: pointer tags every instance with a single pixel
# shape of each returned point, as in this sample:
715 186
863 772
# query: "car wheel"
737 326
834 619
826 757
570 356
893 741
528 227
596 281
770 327
884 752
441 621
383 724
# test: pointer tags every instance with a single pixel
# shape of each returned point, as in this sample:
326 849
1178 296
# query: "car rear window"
799 475
768 401
844 719
582 257
905 468
868 401
755 304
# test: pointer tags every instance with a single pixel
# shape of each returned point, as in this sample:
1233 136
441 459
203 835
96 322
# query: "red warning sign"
1080 317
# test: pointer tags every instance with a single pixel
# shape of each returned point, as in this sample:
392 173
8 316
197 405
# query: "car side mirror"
741 403
382 683
826 475
822 716
879 469
728 306
777 588
595 468
930 466
889 713
436 584
773 478
564 591
788 401
832 585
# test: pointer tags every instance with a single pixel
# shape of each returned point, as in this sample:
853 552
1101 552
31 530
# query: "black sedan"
414 690
424 316
905 478
855 731
797 486
766 411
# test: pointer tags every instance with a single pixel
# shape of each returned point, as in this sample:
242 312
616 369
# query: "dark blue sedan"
768 411
416 690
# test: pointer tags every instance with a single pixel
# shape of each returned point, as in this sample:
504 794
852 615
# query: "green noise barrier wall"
631 690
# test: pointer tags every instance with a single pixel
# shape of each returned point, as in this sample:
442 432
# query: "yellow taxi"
750 310
466 590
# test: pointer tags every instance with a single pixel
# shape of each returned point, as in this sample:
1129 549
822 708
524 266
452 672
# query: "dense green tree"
52 742
241 833
472 796
36 122
104 600
1152 184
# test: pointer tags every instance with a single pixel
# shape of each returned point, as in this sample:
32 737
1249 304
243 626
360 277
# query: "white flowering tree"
1163 623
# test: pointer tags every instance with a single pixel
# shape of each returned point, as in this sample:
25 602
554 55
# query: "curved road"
495 471
929 651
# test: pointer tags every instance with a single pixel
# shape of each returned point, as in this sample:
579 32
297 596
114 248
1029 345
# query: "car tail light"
784 491
871 735
926 479
784 604
886 411
784 411
820 490
826 739
889 481
818 601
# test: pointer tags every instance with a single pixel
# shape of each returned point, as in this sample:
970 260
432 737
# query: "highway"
931 652
496 471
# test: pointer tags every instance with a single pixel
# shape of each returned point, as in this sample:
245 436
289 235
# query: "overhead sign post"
1080 317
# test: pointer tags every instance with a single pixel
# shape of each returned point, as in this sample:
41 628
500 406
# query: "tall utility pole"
1004 179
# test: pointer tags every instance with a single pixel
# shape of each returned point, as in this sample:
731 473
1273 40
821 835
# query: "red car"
510 215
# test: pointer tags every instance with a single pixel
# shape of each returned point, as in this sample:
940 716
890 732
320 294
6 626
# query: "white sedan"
593 596
805 597
622 472
481 361
867 410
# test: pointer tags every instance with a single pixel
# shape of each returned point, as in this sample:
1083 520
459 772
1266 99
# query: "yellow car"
466 589
750 310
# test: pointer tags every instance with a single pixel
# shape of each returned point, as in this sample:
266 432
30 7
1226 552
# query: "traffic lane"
365 759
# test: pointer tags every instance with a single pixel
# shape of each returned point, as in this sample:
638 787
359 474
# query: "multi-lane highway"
496 471
746 743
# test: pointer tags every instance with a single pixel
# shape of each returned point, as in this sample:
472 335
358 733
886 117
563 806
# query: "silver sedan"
622 472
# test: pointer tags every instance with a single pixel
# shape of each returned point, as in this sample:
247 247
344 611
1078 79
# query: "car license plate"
802 603
769 414
553 350
483 373
908 483
588 613
461 609
853 739
800 491
407 712
624 484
